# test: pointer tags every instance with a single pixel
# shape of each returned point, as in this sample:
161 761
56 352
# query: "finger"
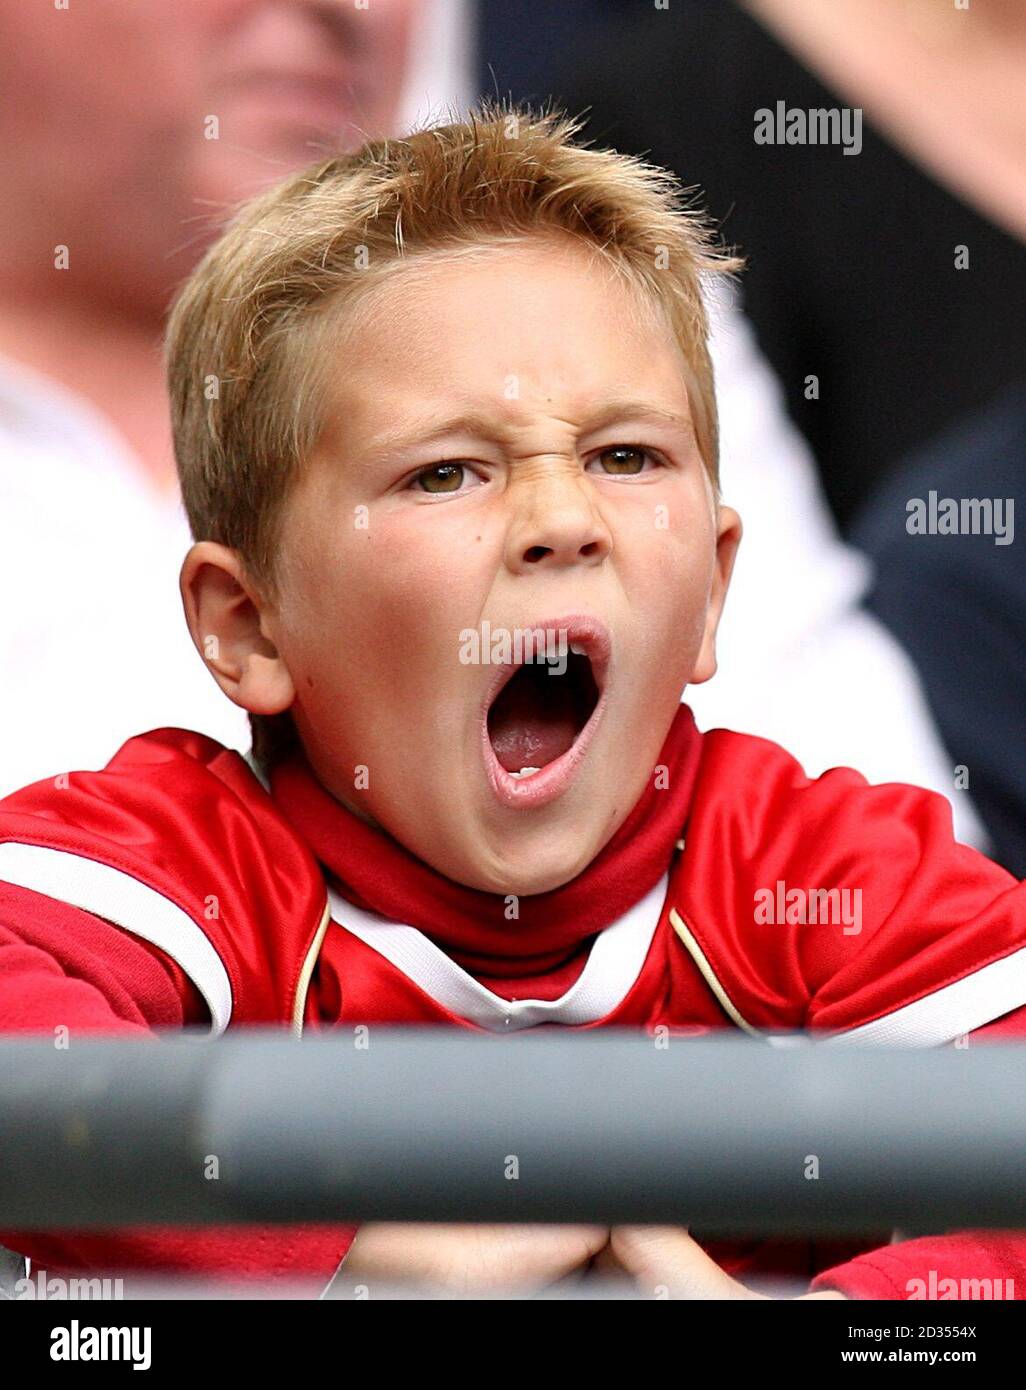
605 1262
671 1263
537 1250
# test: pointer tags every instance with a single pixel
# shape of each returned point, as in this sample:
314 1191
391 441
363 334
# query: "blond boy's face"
413 559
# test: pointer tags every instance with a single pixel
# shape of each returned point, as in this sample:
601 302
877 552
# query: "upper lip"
582 630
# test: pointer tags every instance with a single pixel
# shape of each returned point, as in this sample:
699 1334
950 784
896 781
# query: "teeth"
525 772
577 649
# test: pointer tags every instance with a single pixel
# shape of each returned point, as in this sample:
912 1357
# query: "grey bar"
727 1135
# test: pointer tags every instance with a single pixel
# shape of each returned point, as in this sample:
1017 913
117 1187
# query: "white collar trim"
613 965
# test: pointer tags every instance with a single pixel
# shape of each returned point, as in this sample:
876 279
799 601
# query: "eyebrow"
476 422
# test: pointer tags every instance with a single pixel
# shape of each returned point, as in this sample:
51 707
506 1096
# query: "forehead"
533 322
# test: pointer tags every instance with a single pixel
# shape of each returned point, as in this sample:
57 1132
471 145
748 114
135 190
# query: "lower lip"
551 781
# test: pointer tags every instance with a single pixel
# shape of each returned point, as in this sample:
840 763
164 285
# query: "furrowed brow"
414 436
482 425
629 409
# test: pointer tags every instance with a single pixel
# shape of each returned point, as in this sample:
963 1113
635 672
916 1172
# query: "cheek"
380 610
425 569
668 583
389 26
671 552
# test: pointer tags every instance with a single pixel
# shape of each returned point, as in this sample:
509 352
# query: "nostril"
592 548
536 553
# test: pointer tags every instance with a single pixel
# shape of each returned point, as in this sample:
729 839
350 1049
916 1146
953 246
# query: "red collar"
378 874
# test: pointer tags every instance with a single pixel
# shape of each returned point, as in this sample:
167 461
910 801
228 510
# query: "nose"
556 523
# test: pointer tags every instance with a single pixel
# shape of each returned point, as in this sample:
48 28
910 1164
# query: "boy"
446 431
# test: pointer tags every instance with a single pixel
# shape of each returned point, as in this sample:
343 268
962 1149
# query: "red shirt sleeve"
61 967
844 902
960 1265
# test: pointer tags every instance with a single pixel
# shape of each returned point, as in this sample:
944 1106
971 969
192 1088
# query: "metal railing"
405 1124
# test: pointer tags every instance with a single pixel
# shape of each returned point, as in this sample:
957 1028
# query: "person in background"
956 599
802 662
886 273
129 134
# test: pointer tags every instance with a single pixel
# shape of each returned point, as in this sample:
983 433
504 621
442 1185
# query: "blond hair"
248 343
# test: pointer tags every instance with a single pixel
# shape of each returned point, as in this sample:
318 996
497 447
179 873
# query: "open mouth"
539 712
543 711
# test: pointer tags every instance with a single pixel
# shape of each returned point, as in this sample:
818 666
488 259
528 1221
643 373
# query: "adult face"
129 129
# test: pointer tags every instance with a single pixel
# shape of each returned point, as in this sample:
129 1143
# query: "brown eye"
444 477
623 459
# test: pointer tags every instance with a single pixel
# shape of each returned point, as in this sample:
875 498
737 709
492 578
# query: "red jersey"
181 885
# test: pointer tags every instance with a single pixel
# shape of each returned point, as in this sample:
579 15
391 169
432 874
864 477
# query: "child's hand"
668 1262
470 1259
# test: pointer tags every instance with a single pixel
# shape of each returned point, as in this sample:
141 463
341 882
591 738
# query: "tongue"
532 723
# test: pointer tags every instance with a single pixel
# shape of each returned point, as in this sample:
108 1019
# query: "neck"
110 358
378 874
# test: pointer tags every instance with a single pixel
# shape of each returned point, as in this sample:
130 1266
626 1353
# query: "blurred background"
870 360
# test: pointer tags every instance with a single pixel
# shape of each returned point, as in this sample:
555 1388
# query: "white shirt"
94 646
799 661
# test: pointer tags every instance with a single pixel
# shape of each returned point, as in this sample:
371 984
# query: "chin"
533 882
534 869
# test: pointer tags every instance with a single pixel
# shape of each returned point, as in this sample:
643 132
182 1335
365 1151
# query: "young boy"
445 425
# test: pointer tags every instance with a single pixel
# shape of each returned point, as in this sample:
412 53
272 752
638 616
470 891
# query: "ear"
728 538
228 622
